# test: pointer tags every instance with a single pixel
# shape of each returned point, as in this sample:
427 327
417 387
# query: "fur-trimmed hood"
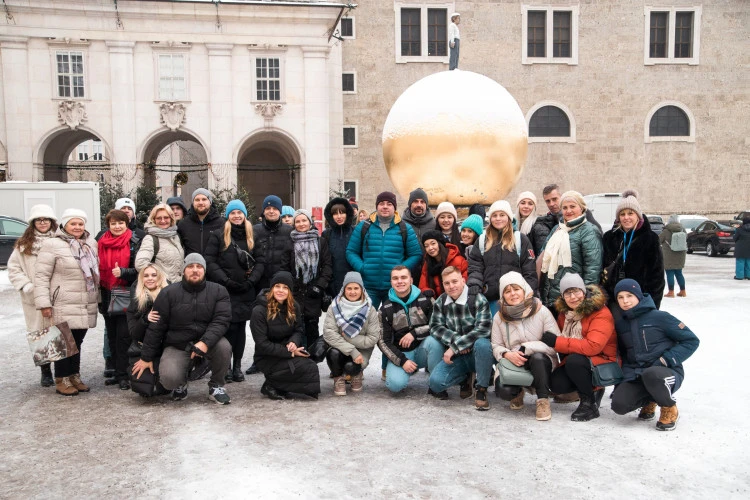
594 301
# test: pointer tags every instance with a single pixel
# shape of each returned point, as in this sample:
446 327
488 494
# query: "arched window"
669 121
549 121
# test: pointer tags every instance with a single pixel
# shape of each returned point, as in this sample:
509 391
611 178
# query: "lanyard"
626 245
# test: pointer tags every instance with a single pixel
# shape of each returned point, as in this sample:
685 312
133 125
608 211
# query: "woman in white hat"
526 218
21 268
66 288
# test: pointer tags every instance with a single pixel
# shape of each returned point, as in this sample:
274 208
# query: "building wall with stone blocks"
609 93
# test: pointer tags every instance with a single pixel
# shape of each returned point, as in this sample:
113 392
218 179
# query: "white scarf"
557 251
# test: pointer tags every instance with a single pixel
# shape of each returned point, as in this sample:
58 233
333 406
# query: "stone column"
19 147
220 116
122 91
314 174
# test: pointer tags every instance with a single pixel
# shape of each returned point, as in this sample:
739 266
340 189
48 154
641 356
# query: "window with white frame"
351 189
669 121
83 153
172 77
422 32
97 150
672 35
349 82
70 81
551 121
346 28
350 137
549 35
267 79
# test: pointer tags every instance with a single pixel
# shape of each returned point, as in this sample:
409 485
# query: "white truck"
604 208
17 198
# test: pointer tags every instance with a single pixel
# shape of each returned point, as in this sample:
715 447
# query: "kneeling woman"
654 344
517 330
278 331
588 337
351 328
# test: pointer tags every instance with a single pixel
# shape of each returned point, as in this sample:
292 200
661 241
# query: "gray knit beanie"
205 192
353 277
194 258
572 280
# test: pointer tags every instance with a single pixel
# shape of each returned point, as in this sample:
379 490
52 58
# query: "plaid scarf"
350 316
85 256
306 254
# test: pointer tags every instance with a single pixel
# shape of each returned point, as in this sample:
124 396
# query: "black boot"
109 368
228 376
237 375
252 370
47 379
587 409
598 395
270 392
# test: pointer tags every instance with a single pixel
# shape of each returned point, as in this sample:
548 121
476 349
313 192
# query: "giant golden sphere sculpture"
458 135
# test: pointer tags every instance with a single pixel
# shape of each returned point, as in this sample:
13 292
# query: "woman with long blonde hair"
162 244
498 251
278 329
234 262
151 280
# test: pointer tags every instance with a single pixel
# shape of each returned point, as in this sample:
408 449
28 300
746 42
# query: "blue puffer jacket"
646 336
381 251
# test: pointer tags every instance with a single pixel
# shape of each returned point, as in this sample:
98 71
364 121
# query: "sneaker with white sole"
180 393
218 395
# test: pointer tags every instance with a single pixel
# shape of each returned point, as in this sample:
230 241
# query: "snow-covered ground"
116 444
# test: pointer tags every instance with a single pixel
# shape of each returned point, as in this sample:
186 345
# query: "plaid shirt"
454 326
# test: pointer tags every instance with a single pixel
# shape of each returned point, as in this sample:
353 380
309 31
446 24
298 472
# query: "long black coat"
275 243
337 238
224 267
644 263
188 313
540 231
194 233
311 301
742 242
282 371
485 270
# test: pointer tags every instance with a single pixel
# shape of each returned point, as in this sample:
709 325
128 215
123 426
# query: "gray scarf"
167 233
306 254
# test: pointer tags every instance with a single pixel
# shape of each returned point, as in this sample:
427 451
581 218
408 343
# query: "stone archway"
268 162
167 153
59 163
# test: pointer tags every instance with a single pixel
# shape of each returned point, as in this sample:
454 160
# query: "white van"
604 208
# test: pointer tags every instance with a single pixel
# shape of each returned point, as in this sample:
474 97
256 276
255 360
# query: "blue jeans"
479 360
671 275
742 268
427 355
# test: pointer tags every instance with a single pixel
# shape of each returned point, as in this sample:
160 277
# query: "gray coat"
363 344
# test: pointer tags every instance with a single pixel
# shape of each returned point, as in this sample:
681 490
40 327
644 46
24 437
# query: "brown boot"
570 397
668 418
517 402
669 294
78 383
682 293
480 400
64 386
648 411
357 381
543 411
339 386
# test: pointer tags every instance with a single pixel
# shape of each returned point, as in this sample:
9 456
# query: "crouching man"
194 315
461 326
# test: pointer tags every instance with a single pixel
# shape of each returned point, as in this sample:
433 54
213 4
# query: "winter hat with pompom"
630 200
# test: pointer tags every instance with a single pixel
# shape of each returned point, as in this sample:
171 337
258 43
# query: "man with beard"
194 315
201 220
418 214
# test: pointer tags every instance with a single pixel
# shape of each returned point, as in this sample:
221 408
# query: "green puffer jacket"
586 257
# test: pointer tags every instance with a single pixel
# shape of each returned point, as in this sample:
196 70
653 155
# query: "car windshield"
724 227
691 223
655 220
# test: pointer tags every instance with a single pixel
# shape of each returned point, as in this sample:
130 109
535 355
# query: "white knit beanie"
500 206
446 207
514 278
41 212
72 213
125 202
526 195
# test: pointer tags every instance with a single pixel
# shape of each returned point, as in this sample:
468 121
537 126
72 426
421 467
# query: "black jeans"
72 365
119 340
656 383
574 375
540 366
341 364
236 336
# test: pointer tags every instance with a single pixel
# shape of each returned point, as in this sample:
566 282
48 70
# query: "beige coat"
527 332
361 344
21 271
170 257
57 271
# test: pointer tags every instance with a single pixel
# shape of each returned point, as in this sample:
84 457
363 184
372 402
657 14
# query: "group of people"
547 294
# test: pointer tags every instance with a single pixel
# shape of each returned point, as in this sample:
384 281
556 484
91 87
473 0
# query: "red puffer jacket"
454 259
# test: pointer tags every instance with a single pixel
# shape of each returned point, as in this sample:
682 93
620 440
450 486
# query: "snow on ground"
374 444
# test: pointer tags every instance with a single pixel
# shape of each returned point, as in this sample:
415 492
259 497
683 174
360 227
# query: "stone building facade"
620 72
255 85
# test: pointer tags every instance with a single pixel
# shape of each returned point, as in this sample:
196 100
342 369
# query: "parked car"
712 237
657 223
732 222
741 216
10 230
690 222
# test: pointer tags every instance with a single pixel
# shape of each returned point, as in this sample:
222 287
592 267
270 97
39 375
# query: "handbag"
148 383
119 301
605 374
510 374
607 276
318 349
52 343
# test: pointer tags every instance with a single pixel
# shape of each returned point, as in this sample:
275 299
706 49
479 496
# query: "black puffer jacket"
540 231
742 242
272 336
188 313
486 270
337 238
273 240
644 262
311 295
194 233
225 268
137 318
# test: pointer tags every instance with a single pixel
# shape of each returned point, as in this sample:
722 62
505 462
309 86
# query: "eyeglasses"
44 220
166 217
573 292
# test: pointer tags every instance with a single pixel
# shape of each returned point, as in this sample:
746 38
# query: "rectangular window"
351 189
536 32
172 77
437 32
70 74
672 35
550 35
561 34
347 27
268 79
83 154
411 41
348 83
97 151
350 137
658 40
683 35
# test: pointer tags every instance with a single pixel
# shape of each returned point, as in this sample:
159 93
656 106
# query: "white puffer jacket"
21 272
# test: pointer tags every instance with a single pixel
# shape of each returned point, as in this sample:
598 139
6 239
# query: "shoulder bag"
510 374
606 373
52 343
119 300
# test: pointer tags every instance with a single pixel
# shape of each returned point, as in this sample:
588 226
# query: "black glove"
475 289
236 287
549 339
429 293
314 292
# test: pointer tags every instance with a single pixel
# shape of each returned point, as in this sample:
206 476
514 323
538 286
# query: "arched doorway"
168 154
74 155
268 163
